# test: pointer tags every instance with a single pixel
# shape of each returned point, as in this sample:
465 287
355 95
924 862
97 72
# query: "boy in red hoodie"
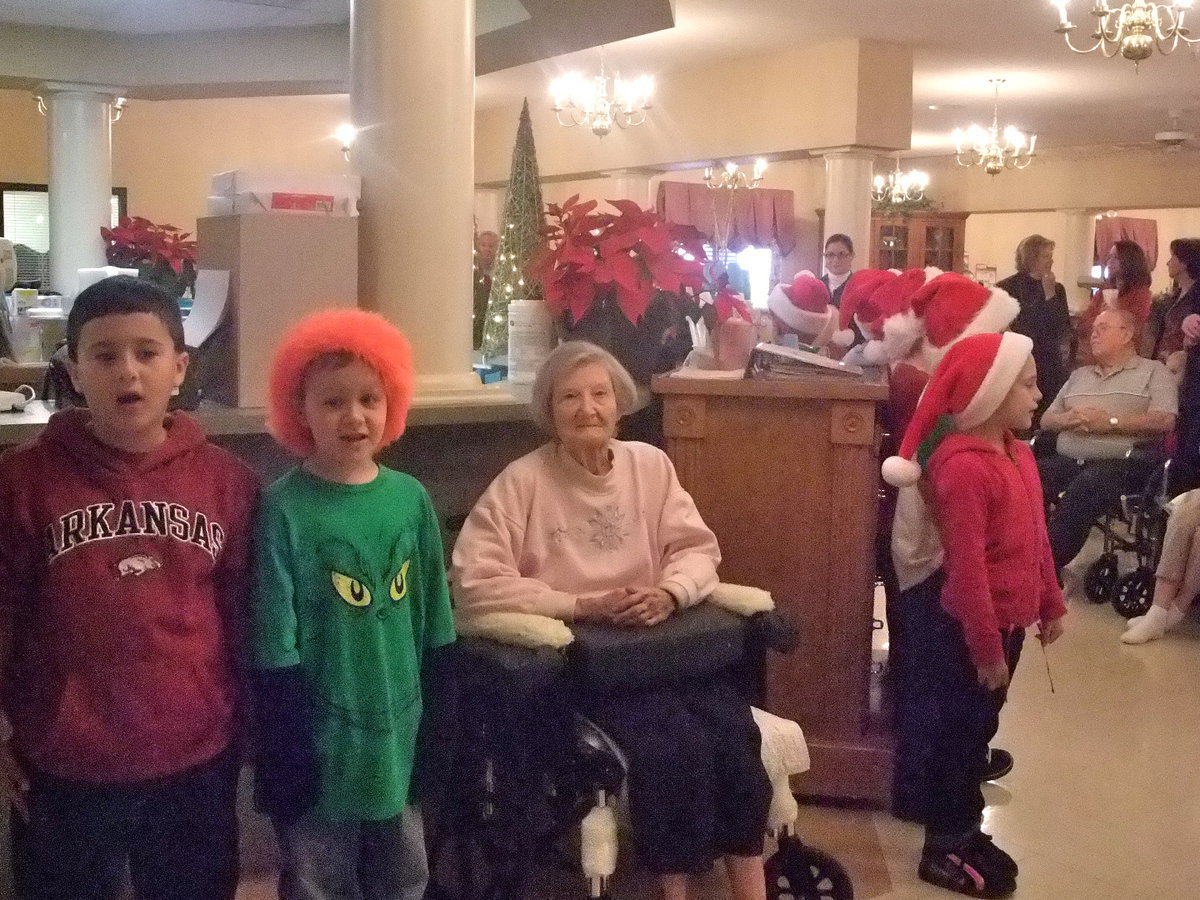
997 579
123 559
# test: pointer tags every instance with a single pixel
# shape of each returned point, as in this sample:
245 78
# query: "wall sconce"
347 134
118 108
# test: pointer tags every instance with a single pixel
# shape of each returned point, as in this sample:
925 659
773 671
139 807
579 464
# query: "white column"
79 131
412 95
1075 256
848 176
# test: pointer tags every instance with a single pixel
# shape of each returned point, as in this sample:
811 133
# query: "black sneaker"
995 859
999 764
965 871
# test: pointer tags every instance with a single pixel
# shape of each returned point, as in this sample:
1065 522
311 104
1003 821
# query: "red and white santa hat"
970 383
855 305
804 307
952 306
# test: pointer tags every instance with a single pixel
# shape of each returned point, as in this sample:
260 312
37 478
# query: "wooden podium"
786 472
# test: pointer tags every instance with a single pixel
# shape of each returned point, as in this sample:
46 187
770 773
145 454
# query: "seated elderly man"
590 528
1101 413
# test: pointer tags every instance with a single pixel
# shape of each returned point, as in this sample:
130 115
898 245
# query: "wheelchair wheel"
1134 593
799 872
1100 578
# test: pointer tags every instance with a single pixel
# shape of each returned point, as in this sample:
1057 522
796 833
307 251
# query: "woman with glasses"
839 258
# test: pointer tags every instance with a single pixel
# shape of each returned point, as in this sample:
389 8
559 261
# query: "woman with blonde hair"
1044 317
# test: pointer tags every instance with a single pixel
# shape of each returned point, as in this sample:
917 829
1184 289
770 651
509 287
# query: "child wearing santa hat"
804 308
997 579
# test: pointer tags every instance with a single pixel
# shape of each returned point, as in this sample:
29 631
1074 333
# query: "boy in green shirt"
351 599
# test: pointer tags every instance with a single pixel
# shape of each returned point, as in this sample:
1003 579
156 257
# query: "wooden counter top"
872 385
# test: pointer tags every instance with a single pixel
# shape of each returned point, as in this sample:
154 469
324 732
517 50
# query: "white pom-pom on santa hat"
970 384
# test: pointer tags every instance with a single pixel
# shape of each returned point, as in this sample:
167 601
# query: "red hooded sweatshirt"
125 576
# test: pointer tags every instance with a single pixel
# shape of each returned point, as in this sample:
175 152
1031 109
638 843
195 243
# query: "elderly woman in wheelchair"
599 535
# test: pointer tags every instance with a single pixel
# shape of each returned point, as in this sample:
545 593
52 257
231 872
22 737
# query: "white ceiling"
1067 99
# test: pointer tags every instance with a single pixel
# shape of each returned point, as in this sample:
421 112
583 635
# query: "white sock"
1131 622
1153 626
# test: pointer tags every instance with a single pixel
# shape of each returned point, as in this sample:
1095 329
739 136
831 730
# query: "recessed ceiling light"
934 106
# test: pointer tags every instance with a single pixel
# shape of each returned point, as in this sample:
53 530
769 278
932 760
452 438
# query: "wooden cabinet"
919 240
786 473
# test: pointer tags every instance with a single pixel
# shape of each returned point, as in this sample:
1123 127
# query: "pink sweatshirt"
547 531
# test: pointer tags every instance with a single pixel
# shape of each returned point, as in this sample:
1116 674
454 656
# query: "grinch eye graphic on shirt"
351 590
399 589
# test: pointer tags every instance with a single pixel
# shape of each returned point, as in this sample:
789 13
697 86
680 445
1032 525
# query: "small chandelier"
732 178
900 187
588 101
987 149
1132 29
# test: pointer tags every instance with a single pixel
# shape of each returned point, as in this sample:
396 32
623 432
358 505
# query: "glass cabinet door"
939 247
893 246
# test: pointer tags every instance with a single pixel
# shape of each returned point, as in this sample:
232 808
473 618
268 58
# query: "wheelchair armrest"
772 630
489 667
1147 450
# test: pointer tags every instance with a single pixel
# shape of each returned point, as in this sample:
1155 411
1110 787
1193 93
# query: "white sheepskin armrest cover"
784 750
517 629
741 599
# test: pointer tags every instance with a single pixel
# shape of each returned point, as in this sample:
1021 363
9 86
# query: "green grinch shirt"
352 587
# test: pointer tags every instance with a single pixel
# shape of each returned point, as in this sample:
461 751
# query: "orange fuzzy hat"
368 336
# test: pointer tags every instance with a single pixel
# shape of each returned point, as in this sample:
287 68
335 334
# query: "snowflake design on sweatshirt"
608 528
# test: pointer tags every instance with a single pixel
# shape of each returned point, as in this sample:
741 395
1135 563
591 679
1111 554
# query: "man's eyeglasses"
838 254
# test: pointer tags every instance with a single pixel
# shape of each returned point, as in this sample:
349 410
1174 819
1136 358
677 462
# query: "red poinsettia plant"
587 255
162 253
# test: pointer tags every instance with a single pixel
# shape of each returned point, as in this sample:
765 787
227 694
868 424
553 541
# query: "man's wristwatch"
1113 423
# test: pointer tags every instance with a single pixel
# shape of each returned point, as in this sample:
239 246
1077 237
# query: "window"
25 213
25 220
751 273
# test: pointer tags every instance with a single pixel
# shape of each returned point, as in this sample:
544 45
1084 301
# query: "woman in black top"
1044 317
1184 268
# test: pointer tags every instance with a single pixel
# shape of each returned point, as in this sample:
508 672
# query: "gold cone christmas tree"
520 236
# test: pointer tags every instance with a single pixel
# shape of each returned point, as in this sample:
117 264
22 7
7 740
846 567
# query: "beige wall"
831 95
166 152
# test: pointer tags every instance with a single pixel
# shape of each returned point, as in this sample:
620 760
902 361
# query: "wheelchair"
523 777
1135 525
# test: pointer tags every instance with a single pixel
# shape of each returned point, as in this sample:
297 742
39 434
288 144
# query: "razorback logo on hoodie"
132 518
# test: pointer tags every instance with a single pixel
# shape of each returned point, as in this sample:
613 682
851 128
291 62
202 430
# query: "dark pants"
909 620
958 716
178 835
697 788
1088 490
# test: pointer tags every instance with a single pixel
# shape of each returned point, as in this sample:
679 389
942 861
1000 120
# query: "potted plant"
608 278
163 254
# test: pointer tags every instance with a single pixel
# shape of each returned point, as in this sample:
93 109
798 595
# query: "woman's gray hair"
562 361
1028 250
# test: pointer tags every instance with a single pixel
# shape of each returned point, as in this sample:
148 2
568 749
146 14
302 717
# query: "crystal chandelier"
732 178
986 147
900 187
1132 29
589 101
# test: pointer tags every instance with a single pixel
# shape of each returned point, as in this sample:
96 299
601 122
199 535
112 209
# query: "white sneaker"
1152 626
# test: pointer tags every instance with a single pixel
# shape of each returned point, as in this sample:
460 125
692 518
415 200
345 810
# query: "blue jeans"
354 860
177 834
